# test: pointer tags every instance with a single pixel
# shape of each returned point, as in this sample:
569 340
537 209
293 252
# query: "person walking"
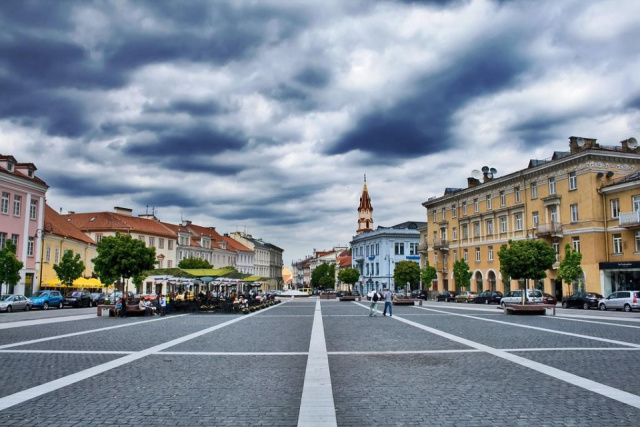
373 308
388 298
163 305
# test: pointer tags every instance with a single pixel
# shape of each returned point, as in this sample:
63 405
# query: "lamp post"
38 236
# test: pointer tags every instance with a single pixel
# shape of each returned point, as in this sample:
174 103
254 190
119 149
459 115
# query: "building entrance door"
558 290
28 284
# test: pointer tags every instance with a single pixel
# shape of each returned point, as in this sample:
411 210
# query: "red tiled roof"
19 174
55 224
345 261
235 245
110 221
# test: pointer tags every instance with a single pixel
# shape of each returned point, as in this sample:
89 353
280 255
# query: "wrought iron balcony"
422 247
552 229
441 245
629 219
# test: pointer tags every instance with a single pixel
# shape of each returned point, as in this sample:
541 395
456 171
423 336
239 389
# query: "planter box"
349 298
327 296
403 302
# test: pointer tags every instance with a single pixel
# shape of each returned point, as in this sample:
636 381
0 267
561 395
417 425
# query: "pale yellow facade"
560 201
54 247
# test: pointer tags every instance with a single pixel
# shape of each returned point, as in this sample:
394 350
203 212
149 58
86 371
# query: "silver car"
533 295
12 302
621 300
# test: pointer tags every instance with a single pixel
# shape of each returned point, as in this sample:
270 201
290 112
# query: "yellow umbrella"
53 283
81 282
94 283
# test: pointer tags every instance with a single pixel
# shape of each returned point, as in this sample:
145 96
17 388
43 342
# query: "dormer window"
30 173
10 167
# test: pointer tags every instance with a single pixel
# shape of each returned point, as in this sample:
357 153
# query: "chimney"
185 223
630 145
123 211
472 182
578 143
148 216
70 212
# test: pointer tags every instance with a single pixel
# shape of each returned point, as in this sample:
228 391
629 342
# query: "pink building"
22 218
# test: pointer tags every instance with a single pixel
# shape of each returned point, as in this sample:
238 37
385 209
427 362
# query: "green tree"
349 276
69 268
428 274
9 266
461 273
194 263
526 259
323 276
570 269
406 272
122 257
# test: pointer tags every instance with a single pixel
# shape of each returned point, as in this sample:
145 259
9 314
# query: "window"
476 205
615 208
489 227
367 250
170 246
47 254
17 202
637 241
552 185
636 203
573 181
490 249
464 208
465 231
435 258
4 207
455 255
516 193
556 249
152 241
455 233
444 214
503 224
617 243
377 268
454 211
142 239
488 201
98 237
367 268
518 218
14 239
477 254
30 247
534 190
413 248
435 216
574 212
503 199
3 240
169 263
56 257
465 255
399 248
377 248
575 243
476 229
160 243
535 219
33 209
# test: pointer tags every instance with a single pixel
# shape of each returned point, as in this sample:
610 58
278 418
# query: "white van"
533 295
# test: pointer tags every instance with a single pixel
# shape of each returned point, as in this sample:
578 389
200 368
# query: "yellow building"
61 236
574 197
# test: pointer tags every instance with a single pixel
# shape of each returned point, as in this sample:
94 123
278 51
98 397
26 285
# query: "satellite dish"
476 174
632 143
485 169
580 142
493 171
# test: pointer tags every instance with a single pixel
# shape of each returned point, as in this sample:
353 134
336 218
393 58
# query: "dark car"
585 300
78 299
419 294
549 299
446 296
97 299
488 297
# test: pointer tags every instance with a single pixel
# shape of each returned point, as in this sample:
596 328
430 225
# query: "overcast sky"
265 115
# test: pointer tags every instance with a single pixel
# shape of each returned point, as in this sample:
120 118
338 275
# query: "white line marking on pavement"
23 396
317 407
589 385
511 350
397 352
233 353
66 352
539 329
617 325
91 331
45 321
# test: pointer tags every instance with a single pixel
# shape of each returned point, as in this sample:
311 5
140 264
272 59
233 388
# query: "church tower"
365 211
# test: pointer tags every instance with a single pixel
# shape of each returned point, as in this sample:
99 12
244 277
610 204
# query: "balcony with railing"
629 219
552 229
441 245
423 247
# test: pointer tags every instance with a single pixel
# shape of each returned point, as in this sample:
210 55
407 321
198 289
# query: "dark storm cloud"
420 125
199 164
69 184
539 129
190 107
264 215
188 141
314 77
166 198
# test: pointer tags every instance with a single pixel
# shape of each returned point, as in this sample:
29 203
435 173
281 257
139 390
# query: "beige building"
587 197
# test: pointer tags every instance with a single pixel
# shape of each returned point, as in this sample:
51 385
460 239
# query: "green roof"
212 272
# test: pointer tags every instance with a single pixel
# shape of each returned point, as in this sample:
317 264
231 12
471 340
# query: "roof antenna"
147 211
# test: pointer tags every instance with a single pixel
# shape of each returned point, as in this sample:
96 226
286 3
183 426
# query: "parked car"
97 298
46 299
621 300
113 297
419 294
585 300
549 299
533 295
10 302
488 297
78 299
446 296
465 296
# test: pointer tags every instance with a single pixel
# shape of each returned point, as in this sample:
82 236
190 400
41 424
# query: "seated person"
118 308
143 306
